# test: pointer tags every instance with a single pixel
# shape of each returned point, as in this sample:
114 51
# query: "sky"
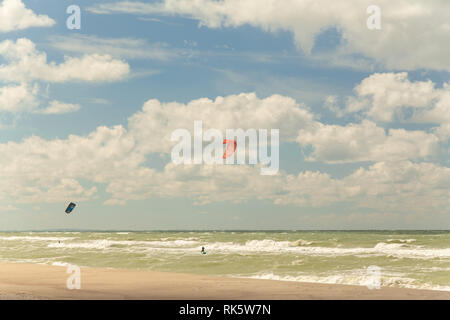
361 99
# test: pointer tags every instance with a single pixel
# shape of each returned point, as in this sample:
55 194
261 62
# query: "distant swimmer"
203 250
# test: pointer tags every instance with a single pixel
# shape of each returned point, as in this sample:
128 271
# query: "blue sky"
367 114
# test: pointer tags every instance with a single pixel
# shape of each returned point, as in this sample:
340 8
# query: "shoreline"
35 281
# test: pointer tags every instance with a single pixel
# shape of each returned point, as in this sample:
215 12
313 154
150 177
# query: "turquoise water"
412 259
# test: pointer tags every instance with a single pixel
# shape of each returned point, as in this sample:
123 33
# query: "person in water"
203 250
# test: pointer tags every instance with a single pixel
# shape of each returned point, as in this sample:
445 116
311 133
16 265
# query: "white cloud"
400 185
26 97
15 16
392 97
443 131
39 170
26 63
58 107
439 112
26 66
366 142
332 105
423 186
382 96
402 23
154 125
18 98
127 48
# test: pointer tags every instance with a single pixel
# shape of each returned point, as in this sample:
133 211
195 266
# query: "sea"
406 259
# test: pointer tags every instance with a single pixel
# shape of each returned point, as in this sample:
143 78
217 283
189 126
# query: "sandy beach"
32 281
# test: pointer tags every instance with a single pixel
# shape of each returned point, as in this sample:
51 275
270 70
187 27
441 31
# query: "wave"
301 242
105 244
60 264
401 240
355 277
33 238
398 250
94 244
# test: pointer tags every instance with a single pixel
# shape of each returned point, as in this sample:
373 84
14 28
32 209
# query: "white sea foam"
33 238
401 240
354 277
60 264
388 249
105 243
93 244
164 244
399 250
301 242
435 269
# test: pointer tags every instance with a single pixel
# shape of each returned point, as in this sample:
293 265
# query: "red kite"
231 148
